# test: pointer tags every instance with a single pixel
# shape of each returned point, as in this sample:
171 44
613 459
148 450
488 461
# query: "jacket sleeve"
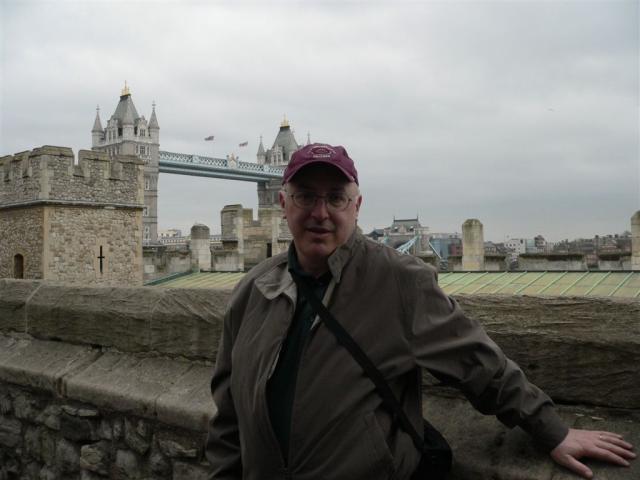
457 351
223 441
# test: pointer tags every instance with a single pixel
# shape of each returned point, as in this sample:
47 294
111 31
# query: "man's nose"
319 210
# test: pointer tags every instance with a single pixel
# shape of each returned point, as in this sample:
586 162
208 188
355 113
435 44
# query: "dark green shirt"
282 384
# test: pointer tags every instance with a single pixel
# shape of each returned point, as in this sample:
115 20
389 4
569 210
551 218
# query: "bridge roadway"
227 168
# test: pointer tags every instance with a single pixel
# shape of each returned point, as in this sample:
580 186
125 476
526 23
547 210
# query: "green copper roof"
554 284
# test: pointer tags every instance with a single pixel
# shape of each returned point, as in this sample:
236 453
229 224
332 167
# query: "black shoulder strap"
344 339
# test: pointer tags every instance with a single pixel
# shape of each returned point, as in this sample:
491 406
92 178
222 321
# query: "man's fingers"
577 467
620 450
607 455
615 440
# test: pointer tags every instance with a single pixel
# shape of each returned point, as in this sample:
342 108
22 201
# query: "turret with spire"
97 132
128 133
261 153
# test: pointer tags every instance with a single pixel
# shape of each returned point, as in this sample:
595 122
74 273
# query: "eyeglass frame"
328 205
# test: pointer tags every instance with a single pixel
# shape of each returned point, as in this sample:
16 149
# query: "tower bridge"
129 133
227 168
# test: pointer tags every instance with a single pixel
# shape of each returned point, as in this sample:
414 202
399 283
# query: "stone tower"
128 133
472 245
278 155
200 246
72 223
635 241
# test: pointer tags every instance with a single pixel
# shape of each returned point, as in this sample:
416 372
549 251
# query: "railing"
172 162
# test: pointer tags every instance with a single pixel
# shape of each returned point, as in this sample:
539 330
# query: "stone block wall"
45 437
74 235
49 173
13 225
114 383
551 262
161 261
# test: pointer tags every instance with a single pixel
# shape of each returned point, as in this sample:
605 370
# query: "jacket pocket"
381 455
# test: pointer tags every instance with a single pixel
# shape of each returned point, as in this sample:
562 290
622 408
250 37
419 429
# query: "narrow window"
269 250
101 258
18 266
135 130
119 131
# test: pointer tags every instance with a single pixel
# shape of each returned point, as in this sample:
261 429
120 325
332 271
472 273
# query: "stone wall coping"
175 392
574 337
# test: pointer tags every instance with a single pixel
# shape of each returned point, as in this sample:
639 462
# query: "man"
292 403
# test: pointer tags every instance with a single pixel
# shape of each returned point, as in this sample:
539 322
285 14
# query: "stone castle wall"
49 173
13 225
114 383
76 234
72 223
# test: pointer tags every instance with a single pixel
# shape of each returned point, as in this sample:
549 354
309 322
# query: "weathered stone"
40 364
75 428
127 465
80 411
175 445
125 382
186 471
13 298
10 431
188 403
105 431
88 475
575 338
26 408
50 417
137 434
32 447
48 474
95 457
188 322
48 447
67 456
112 317
158 464
5 403
118 428
31 471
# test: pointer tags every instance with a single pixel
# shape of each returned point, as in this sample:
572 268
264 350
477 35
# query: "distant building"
170 233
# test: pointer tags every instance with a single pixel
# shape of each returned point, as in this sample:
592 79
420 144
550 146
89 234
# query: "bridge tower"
279 154
128 133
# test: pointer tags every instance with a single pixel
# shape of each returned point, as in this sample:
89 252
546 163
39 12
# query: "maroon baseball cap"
321 153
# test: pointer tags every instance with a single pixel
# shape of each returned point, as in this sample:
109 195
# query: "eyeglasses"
335 201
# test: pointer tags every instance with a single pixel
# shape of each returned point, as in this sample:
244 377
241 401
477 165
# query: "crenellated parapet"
50 175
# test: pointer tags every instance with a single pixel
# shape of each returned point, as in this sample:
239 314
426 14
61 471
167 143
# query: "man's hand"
605 446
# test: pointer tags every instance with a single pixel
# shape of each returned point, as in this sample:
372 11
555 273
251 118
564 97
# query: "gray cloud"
522 114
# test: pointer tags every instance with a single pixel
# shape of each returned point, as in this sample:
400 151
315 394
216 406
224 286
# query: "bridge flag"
243 144
209 138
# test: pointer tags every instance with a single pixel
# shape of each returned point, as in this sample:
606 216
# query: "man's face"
319 230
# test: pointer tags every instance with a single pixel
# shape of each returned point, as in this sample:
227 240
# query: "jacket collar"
278 281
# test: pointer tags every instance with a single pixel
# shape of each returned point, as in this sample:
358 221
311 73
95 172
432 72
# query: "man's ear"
358 203
281 199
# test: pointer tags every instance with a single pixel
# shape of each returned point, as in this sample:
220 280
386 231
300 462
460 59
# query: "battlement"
50 175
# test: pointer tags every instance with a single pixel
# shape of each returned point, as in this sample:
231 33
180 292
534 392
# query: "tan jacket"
392 306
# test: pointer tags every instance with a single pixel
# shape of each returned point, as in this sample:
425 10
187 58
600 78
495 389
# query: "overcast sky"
524 115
